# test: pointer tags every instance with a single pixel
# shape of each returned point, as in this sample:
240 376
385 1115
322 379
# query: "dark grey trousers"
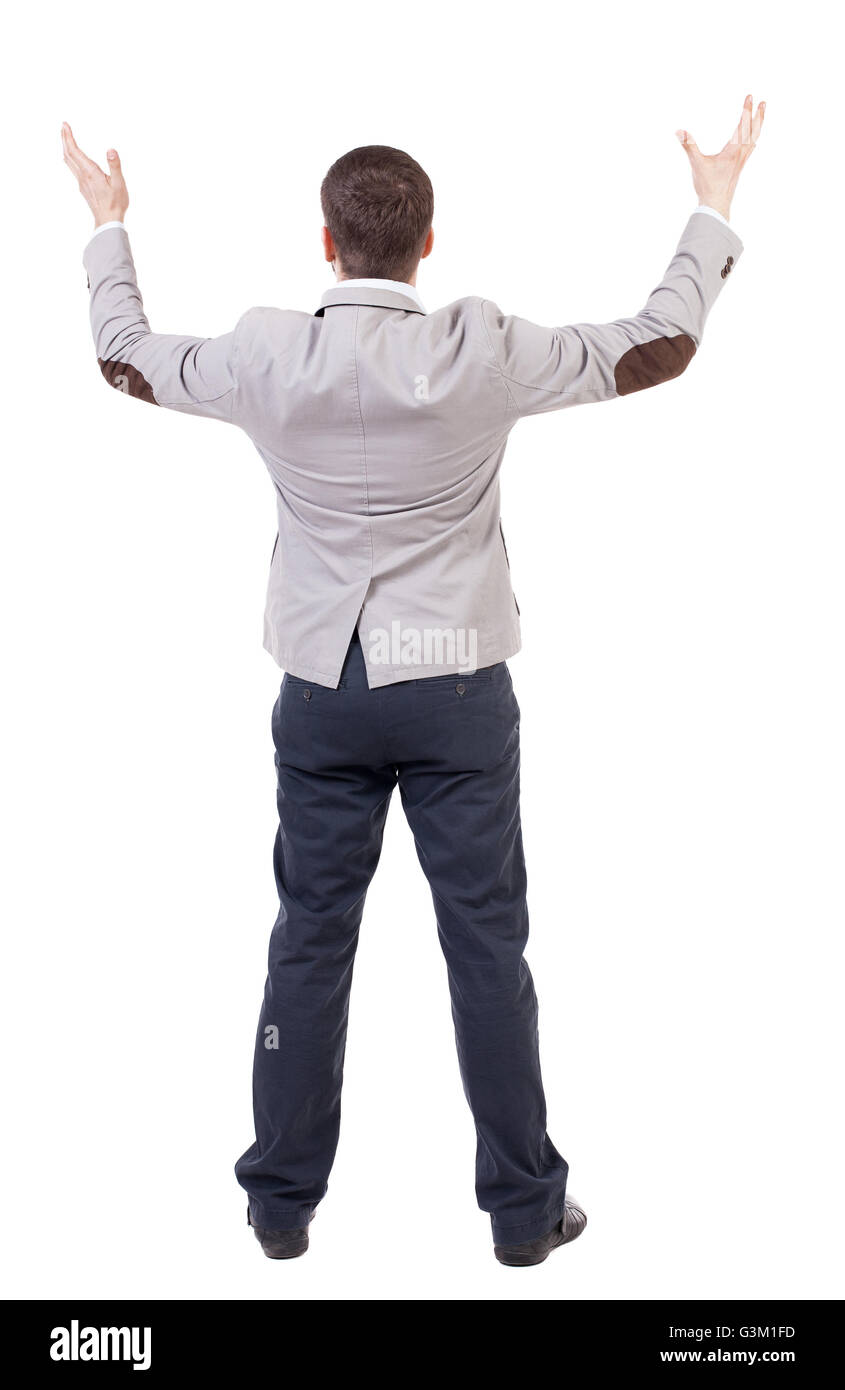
451 744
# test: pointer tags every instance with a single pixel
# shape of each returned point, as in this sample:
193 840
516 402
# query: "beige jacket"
383 429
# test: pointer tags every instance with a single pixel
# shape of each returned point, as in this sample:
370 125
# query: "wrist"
721 205
101 220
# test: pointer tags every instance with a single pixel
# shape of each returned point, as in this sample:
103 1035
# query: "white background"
677 558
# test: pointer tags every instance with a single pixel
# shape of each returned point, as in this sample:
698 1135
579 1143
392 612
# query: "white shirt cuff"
103 227
702 207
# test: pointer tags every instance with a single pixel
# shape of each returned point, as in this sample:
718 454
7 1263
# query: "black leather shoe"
534 1252
280 1245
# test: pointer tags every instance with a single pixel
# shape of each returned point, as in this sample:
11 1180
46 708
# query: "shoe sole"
287 1254
517 1261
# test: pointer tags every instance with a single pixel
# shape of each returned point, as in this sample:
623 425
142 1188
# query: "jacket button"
306 694
461 688
724 272
730 260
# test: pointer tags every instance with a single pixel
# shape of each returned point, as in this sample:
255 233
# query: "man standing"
390 609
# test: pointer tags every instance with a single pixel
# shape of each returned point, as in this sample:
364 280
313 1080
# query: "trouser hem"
279 1218
528 1230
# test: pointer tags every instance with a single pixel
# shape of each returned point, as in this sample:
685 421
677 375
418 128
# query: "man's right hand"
105 193
715 176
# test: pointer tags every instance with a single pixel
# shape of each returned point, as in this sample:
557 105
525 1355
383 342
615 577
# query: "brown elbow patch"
128 379
648 364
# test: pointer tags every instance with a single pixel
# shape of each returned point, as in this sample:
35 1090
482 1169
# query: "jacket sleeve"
550 368
194 375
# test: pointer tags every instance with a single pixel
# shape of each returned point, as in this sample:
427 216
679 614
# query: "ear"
429 242
328 244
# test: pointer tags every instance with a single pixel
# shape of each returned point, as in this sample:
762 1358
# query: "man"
390 608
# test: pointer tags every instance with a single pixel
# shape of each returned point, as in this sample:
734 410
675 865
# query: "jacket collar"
347 292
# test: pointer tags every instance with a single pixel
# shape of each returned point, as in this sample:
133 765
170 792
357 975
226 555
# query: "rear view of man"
390 609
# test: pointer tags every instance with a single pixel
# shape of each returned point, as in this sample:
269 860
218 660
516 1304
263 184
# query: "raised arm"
197 376
550 368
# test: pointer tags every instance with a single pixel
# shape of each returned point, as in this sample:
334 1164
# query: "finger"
76 157
67 146
692 150
115 171
757 123
71 161
688 143
72 151
745 121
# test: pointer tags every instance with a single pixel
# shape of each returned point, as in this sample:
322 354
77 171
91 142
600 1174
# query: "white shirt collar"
400 286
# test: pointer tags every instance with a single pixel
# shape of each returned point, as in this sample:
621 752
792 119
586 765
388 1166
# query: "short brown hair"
378 204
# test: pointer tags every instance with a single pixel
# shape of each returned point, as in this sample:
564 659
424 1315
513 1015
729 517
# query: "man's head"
378 204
